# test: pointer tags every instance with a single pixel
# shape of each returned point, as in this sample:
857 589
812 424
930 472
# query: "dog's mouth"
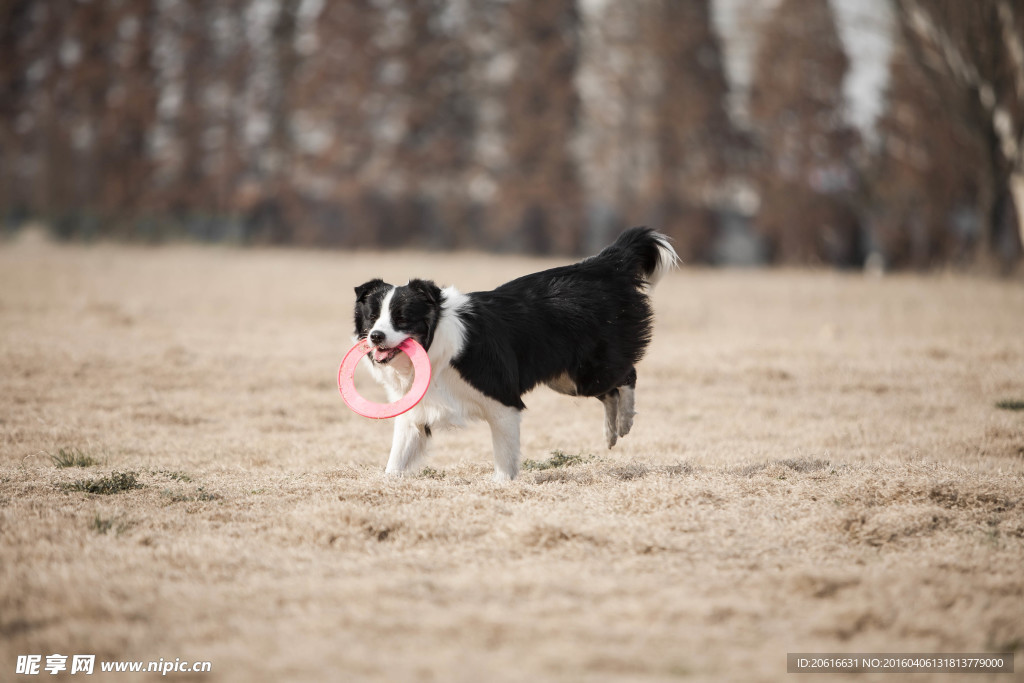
383 356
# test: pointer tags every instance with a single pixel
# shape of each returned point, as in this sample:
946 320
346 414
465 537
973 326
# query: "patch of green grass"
752 469
564 476
103 525
805 464
72 457
1013 645
431 473
200 495
629 472
377 531
117 482
1010 404
175 475
680 671
557 459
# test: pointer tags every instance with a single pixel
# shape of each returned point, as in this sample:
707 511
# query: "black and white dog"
580 329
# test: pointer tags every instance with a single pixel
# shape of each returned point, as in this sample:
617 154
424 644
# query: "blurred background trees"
807 177
968 61
541 127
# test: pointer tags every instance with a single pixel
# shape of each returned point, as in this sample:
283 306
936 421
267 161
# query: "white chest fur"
450 401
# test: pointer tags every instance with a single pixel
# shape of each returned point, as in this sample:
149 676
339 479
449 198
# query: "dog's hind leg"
611 413
624 420
627 393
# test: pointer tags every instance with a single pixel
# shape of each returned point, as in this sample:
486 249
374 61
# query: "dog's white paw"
626 412
610 434
625 422
611 411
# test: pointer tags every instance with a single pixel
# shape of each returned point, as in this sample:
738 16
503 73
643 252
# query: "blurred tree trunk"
539 207
52 105
131 113
924 179
94 28
285 64
974 54
234 70
435 150
692 130
285 227
191 190
1017 192
339 95
807 180
15 23
618 159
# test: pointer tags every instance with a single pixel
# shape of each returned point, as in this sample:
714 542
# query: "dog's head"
388 315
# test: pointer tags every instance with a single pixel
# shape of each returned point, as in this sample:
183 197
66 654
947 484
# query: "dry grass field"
818 464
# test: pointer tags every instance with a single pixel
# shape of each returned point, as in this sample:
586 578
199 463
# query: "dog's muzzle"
382 356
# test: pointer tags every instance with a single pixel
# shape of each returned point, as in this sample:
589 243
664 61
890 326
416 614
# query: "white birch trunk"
1017 192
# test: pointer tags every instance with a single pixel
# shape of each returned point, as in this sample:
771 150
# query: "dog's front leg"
408 446
504 423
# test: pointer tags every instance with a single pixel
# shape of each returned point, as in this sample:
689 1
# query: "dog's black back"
590 321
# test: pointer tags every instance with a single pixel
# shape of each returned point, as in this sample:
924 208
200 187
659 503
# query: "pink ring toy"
382 411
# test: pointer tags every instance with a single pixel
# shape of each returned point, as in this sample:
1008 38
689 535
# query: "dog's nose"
377 337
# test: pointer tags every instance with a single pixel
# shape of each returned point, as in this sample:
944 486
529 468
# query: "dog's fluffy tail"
645 253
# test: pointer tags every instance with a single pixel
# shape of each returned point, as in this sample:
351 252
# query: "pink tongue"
379 355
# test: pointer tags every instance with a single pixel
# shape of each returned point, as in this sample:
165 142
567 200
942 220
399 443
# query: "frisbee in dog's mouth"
421 378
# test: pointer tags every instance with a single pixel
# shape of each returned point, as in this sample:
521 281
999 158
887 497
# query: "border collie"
580 329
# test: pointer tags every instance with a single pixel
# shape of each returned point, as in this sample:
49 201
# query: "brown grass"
818 464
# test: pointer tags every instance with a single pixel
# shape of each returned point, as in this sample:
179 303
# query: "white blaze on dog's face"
388 315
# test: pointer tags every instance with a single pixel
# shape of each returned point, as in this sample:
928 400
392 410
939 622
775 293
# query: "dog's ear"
365 289
431 295
427 289
364 306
